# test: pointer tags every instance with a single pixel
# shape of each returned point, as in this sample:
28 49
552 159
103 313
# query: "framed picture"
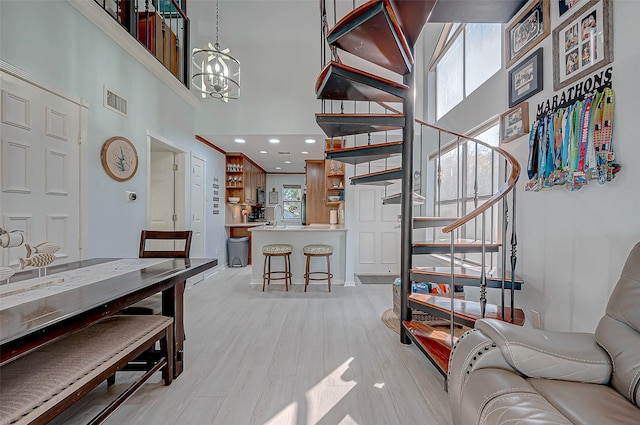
565 5
514 123
527 30
582 43
525 79
119 158
273 197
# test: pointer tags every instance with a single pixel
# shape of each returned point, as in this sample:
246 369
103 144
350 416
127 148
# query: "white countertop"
251 224
298 228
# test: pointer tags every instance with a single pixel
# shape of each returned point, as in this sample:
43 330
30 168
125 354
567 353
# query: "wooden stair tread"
338 81
412 16
428 222
460 245
469 272
468 311
379 177
374 25
434 343
338 125
397 197
359 154
462 278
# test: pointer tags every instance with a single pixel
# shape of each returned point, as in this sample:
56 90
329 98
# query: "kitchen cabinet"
243 179
316 208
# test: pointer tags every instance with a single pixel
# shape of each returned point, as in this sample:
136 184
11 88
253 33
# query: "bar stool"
277 250
317 250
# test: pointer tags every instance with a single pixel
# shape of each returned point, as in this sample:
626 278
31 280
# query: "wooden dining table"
36 309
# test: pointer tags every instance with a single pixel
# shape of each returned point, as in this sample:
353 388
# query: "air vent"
284 153
115 102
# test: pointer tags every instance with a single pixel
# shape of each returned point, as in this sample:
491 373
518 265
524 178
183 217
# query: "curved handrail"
504 190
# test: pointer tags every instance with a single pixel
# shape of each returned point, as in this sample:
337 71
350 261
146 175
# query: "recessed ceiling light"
274 141
304 152
310 141
263 151
278 168
239 140
287 162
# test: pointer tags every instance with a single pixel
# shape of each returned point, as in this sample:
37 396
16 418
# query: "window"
457 195
292 202
465 57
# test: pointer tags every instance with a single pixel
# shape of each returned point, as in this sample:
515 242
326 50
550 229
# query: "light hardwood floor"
281 358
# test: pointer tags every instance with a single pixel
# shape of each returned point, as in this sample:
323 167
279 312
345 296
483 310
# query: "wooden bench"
40 385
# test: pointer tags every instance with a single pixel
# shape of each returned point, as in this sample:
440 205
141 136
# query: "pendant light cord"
217 45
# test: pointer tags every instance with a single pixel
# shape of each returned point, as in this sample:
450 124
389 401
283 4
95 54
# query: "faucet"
275 214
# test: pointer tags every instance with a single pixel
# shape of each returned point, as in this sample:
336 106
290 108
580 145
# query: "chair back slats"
167 235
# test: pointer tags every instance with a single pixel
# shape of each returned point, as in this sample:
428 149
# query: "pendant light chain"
217 45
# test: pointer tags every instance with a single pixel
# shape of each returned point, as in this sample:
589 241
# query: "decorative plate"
119 158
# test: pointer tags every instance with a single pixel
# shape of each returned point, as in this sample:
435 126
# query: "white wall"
276 69
278 180
52 40
572 245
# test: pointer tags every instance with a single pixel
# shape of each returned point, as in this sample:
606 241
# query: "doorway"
166 187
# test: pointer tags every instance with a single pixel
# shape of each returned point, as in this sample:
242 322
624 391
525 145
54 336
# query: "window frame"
286 201
463 198
448 36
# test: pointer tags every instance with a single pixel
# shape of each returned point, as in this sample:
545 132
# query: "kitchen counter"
298 236
297 228
250 224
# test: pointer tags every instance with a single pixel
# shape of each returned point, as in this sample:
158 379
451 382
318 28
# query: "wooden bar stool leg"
306 273
264 272
286 272
290 274
329 271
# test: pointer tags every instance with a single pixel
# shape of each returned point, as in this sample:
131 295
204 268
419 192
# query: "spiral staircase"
384 32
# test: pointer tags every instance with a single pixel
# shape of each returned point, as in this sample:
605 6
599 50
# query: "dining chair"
162 244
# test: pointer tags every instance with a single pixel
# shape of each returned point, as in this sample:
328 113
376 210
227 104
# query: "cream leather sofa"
500 373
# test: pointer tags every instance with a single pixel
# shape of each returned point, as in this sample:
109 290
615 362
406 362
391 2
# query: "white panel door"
162 197
40 161
197 207
378 237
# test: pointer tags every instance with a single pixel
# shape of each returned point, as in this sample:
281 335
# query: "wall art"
582 43
119 158
514 123
527 30
565 5
525 79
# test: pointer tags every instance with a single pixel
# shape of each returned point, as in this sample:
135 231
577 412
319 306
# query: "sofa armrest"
473 350
570 356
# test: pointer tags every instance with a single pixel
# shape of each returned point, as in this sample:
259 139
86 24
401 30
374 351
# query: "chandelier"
216 73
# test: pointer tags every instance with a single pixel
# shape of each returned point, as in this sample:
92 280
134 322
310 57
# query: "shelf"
234 187
334 203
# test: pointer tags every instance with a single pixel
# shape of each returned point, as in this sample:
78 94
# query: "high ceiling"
278 45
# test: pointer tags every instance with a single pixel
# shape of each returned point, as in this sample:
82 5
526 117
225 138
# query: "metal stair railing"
512 171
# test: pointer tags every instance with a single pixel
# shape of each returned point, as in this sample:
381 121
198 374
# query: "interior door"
377 233
197 206
162 195
40 161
